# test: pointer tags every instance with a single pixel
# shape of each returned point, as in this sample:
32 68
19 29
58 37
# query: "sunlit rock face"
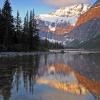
63 77
63 19
94 12
87 26
86 31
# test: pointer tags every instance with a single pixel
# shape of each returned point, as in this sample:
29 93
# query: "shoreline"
14 54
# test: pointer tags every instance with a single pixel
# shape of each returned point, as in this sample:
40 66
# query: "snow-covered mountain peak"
73 10
68 14
62 20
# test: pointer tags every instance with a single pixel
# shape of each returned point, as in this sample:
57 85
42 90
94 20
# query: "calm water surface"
67 76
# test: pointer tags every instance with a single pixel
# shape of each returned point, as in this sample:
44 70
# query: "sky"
41 6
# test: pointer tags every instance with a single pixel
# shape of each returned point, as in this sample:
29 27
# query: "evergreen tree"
1 35
25 28
27 22
35 33
0 13
18 23
18 28
8 24
12 36
46 43
25 31
31 31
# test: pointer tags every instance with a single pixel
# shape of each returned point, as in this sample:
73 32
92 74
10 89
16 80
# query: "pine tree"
46 43
34 25
31 31
1 35
18 23
8 24
0 13
35 33
18 27
26 24
25 31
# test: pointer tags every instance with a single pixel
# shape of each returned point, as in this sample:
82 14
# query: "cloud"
58 3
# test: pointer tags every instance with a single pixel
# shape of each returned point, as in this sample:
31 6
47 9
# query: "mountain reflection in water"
39 77
62 78
65 78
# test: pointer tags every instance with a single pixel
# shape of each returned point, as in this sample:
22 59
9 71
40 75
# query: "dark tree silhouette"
17 37
18 28
8 27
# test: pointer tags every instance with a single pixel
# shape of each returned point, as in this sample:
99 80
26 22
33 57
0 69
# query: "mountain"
87 28
93 43
62 20
65 12
93 12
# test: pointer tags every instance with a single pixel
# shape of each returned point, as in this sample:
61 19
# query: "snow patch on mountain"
70 13
59 22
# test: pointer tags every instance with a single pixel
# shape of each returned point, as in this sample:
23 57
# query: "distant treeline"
16 35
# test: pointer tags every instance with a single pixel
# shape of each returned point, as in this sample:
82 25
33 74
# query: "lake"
50 76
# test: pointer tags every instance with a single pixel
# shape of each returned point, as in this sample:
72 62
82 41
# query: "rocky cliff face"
62 20
87 30
94 12
88 25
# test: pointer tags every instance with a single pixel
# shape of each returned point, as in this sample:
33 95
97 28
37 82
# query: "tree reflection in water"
73 73
15 70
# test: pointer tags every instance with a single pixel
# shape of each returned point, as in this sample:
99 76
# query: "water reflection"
30 77
16 74
62 77
65 78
